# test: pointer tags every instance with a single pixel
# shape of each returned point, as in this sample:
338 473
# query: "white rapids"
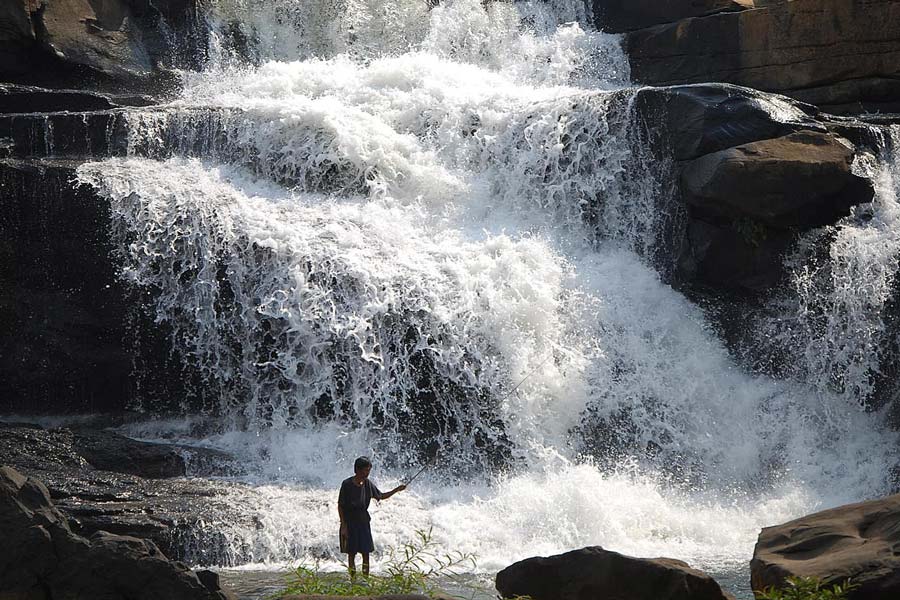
386 196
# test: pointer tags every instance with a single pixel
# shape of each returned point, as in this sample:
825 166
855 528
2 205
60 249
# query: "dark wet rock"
173 513
63 135
30 99
42 558
617 16
62 314
593 572
694 120
110 451
88 44
860 542
832 53
800 180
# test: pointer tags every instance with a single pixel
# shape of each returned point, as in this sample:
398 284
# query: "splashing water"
368 234
843 278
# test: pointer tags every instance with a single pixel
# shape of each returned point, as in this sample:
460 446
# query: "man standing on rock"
353 508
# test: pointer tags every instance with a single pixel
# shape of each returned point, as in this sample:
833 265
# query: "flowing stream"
383 228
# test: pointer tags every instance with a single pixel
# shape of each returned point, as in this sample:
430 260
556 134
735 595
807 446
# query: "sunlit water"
385 199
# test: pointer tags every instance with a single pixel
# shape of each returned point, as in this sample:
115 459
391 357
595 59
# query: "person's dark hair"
361 463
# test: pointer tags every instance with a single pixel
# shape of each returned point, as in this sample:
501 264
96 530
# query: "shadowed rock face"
62 312
618 16
42 558
860 542
843 55
593 572
79 42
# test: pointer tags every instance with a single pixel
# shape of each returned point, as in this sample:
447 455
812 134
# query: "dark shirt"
354 500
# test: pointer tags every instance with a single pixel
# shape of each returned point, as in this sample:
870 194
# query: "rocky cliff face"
844 56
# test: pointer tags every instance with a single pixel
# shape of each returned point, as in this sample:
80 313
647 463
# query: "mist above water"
378 228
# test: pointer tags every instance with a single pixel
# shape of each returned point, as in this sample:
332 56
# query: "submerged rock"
110 451
42 558
593 572
860 542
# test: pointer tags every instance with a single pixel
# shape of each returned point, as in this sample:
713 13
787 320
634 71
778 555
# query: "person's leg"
365 556
351 563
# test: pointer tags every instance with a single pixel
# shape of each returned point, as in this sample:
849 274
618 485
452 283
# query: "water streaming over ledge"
366 222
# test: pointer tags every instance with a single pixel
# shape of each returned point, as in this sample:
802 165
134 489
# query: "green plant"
806 588
414 568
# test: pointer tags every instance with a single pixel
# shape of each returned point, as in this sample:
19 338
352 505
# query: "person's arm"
379 495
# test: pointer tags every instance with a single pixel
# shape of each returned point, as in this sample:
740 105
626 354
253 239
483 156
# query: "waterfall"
389 228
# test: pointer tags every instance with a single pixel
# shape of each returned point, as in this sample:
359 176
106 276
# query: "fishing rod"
422 470
505 397
524 379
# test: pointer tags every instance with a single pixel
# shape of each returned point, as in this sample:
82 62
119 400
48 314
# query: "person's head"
362 466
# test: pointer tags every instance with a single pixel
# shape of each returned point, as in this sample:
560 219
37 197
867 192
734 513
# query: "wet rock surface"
43 558
175 514
860 542
593 572
62 309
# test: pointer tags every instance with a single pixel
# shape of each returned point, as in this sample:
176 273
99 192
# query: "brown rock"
103 38
860 542
593 572
790 45
799 180
617 16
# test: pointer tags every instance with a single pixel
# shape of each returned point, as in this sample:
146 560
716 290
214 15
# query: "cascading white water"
366 240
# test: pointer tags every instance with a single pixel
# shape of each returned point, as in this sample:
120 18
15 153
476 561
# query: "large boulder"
41 558
860 542
593 572
845 55
804 179
694 120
